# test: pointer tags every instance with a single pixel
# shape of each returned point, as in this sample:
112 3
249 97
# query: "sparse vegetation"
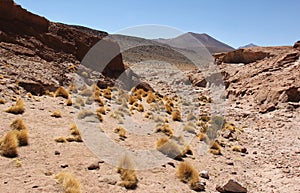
22 136
176 116
18 108
56 114
166 129
128 174
215 148
60 139
69 102
69 183
101 110
18 124
62 92
121 132
187 173
9 145
2 101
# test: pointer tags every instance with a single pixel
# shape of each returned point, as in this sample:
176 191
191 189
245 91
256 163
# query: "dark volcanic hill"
190 40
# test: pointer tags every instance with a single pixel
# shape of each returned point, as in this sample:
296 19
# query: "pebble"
204 174
64 165
94 166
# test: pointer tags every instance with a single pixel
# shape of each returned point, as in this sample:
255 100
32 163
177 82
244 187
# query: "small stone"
171 164
198 186
232 186
101 162
230 163
35 186
204 174
94 166
255 152
64 165
109 179
234 173
56 153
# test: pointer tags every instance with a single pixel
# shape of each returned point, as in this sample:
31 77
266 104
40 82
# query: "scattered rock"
171 164
204 174
231 186
94 166
64 165
56 152
109 179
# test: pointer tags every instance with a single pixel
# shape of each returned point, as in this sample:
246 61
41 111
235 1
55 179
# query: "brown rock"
231 186
297 45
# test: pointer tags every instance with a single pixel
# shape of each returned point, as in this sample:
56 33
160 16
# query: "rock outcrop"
54 48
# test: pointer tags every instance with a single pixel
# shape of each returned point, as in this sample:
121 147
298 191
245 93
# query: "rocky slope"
35 51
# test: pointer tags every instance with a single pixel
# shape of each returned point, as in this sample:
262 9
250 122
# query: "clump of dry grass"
60 139
18 108
131 99
62 92
176 116
187 173
22 136
69 183
69 102
150 98
56 114
18 124
127 171
75 134
202 137
100 116
2 101
239 149
101 110
99 101
121 132
147 115
215 148
168 108
9 145
140 108
107 93
166 129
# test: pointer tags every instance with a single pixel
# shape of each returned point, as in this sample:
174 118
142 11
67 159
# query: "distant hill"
191 40
251 45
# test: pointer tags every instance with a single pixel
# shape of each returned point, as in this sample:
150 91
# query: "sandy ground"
271 164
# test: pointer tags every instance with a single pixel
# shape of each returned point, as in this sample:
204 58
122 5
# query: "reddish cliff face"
51 41
26 37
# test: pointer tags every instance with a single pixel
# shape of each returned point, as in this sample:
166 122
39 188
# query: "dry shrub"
9 145
187 173
150 98
22 136
168 108
18 124
121 132
18 108
100 116
69 102
215 148
107 93
56 114
176 116
131 99
101 110
127 171
62 92
60 139
69 183
2 101
99 101
166 129
140 108
239 149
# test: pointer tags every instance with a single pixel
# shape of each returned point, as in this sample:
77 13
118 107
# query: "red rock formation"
53 45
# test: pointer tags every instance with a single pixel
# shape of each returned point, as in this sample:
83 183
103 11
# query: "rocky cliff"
39 51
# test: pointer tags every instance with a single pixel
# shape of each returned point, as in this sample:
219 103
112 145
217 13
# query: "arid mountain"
192 40
251 45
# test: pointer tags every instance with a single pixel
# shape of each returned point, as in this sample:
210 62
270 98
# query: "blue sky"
234 22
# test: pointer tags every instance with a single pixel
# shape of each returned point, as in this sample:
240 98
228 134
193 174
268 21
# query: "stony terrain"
261 99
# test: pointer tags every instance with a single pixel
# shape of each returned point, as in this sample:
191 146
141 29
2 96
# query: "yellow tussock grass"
62 92
176 116
22 136
187 173
121 132
127 172
18 124
9 145
101 110
69 102
166 129
2 101
60 139
69 183
18 108
56 114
